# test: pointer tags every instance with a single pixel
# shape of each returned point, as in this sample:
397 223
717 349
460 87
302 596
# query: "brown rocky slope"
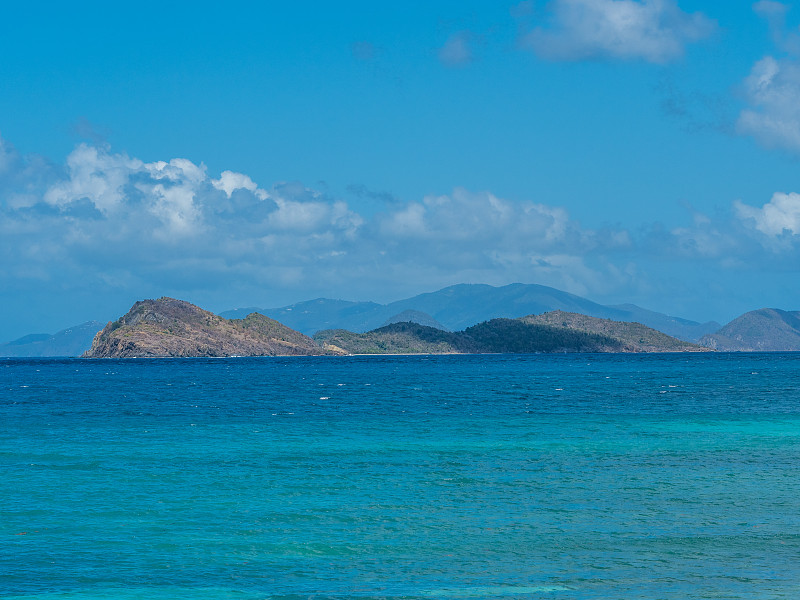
167 327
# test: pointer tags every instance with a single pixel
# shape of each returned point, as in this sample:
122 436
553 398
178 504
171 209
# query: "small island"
167 327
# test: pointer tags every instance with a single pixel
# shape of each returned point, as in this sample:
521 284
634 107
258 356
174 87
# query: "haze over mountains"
460 306
72 341
167 327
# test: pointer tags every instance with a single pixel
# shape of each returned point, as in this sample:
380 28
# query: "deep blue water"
534 476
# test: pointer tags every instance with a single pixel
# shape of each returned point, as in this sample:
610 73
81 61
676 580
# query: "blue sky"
263 153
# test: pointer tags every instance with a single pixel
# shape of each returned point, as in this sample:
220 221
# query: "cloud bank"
107 224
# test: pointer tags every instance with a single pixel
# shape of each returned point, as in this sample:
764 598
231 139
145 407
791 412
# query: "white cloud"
112 220
229 182
95 175
314 217
773 91
457 50
652 30
777 217
480 218
113 224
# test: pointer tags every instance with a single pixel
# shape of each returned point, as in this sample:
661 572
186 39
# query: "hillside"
683 329
460 306
552 332
396 338
169 327
767 329
634 337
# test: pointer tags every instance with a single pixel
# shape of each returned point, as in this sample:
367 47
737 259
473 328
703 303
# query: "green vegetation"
634 337
517 336
552 332
397 338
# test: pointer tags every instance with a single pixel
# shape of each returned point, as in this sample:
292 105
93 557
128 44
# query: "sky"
264 153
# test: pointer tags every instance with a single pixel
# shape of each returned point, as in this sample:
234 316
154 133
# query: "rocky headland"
167 327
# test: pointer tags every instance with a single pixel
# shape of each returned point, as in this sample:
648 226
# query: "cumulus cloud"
457 50
105 220
778 217
229 182
652 30
106 224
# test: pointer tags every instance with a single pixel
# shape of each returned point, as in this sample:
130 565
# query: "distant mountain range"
72 341
460 306
167 327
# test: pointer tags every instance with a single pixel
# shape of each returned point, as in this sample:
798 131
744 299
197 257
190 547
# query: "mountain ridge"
71 341
462 305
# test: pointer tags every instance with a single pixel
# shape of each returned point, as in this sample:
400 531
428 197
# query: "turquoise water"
537 476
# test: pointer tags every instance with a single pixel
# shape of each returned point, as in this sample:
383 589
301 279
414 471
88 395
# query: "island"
167 327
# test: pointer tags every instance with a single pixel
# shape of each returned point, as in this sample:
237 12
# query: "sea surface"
576 476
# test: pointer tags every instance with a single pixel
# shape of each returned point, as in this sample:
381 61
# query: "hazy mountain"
767 329
683 329
414 316
551 332
322 313
460 306
169 327
72 341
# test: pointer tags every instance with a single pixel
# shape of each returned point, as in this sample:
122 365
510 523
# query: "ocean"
573 476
